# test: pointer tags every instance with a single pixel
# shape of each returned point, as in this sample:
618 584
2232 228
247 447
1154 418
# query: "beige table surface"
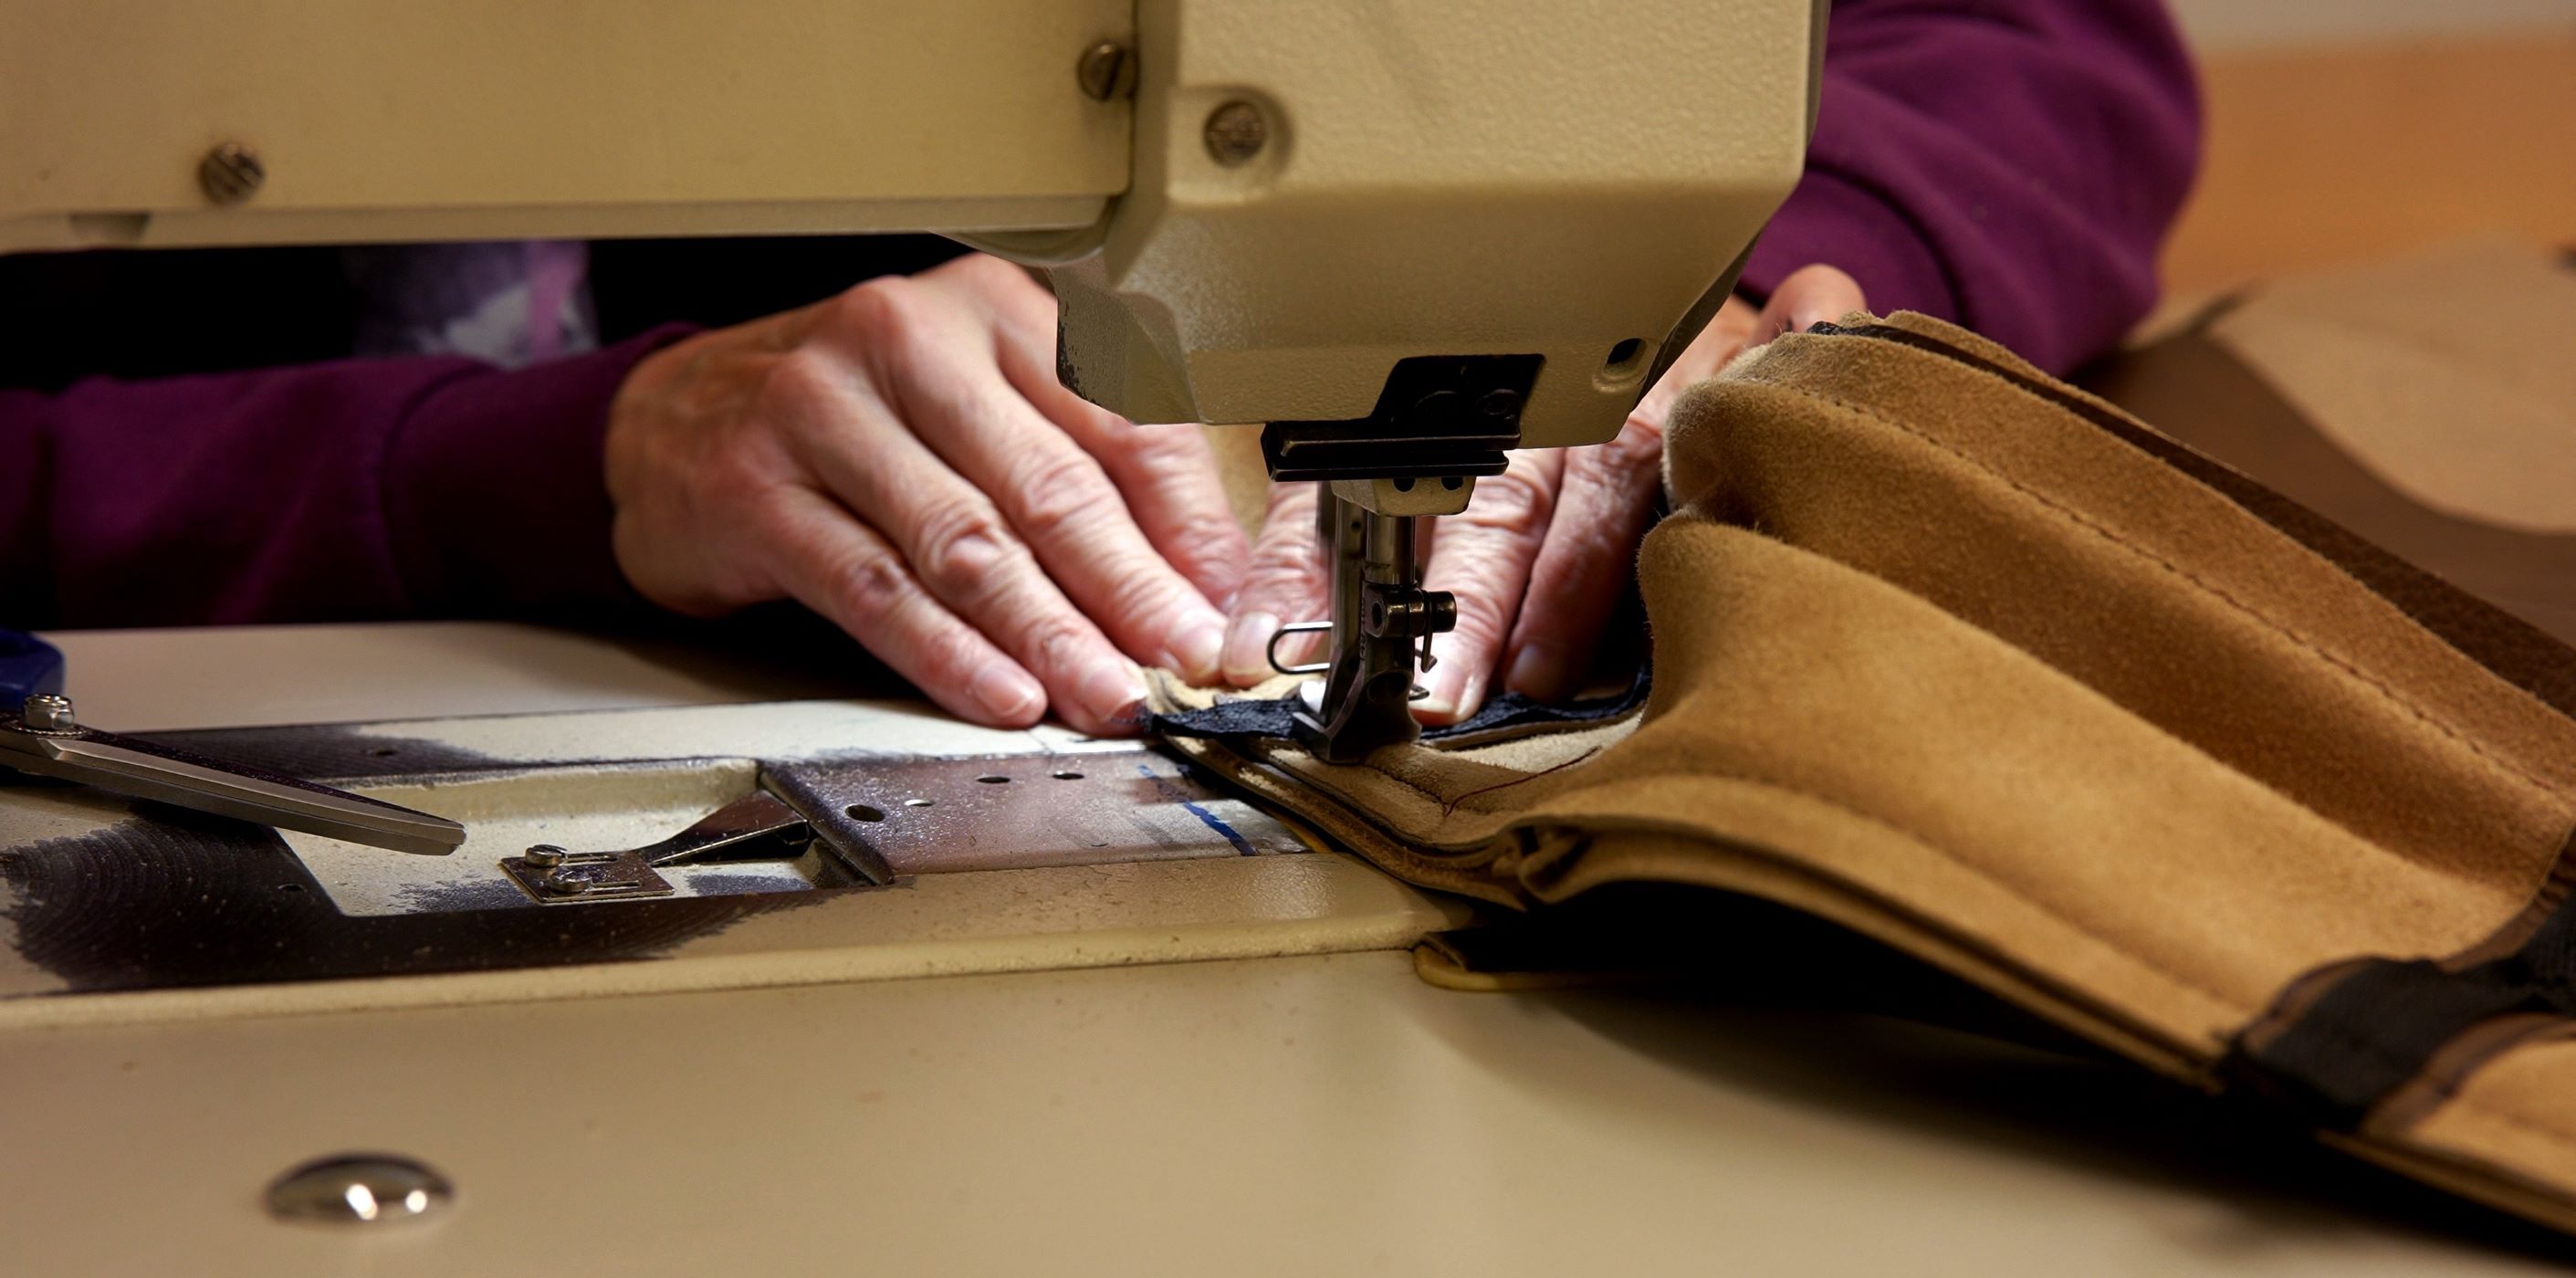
1320 1114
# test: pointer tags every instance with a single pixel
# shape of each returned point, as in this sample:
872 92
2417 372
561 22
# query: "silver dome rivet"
359 1189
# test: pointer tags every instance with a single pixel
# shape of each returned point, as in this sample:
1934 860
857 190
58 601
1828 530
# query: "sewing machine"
1108 1016
1405 238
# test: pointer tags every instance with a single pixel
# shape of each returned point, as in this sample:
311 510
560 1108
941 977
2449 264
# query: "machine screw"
1107 70
231 173
561 883
1236 133
543 855
46 712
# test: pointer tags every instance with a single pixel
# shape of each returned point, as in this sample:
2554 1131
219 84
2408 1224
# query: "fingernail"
1806 317
1451 686
1114 694
1196 646
1247 648
1008 694
1536 672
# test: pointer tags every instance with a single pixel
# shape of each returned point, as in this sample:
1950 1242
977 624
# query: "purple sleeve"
351 490
2009 164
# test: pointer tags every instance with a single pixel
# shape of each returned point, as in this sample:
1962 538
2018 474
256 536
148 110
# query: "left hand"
1539 558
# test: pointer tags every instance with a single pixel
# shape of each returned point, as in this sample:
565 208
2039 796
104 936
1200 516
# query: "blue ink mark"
1217 823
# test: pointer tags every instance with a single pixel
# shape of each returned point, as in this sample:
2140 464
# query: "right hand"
1539 559
903 460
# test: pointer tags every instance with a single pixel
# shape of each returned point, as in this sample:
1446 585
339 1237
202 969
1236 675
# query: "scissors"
38 735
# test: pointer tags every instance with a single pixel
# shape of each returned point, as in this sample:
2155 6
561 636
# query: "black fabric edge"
1270 719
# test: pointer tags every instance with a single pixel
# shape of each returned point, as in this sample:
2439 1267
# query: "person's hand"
1539 558
902 460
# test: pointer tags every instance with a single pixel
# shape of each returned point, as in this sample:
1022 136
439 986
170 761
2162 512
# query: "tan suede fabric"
1969 663
2428 402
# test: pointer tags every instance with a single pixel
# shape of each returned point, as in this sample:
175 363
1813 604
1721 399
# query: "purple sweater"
2010 164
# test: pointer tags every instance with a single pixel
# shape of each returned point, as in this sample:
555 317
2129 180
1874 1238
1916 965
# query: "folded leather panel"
1975 664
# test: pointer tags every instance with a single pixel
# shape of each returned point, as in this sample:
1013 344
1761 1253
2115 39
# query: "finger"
1284 582
953 538
1059 499
1483 556
1809 296
1167 471
852 575
1602 512
1716 344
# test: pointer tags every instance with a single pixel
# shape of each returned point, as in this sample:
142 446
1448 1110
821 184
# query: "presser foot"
1382 625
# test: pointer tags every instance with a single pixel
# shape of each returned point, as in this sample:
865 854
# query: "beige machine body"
1412 179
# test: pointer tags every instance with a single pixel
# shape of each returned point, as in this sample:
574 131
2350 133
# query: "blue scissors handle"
28 665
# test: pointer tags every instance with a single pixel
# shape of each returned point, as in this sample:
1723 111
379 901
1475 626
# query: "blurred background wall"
2347 130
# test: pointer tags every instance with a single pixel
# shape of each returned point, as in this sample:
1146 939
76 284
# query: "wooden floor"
2318 157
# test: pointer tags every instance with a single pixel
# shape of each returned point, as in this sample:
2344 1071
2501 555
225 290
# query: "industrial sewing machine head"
1406 237
1412 238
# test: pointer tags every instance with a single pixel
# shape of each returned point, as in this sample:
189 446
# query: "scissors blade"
145 770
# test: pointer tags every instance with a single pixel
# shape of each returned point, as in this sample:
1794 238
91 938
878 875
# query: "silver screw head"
230 173
543 855
47 712
359 1189
1106 70
1236 132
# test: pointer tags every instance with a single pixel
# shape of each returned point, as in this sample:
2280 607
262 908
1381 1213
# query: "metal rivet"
1236 133
919 803
1106 71
359 1189
46 712
231 173
543 855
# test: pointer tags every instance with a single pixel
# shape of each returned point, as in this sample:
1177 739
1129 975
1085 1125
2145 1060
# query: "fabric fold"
1974 663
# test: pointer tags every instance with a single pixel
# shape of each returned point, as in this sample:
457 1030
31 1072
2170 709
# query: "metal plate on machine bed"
100 894
933 816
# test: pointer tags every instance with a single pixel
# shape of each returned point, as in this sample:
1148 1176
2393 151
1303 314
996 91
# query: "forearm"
351 490
2012 165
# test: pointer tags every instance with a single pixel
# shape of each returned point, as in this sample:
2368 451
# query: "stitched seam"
2386 693
2227 1001
1493 845
1450 808
2551 1135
